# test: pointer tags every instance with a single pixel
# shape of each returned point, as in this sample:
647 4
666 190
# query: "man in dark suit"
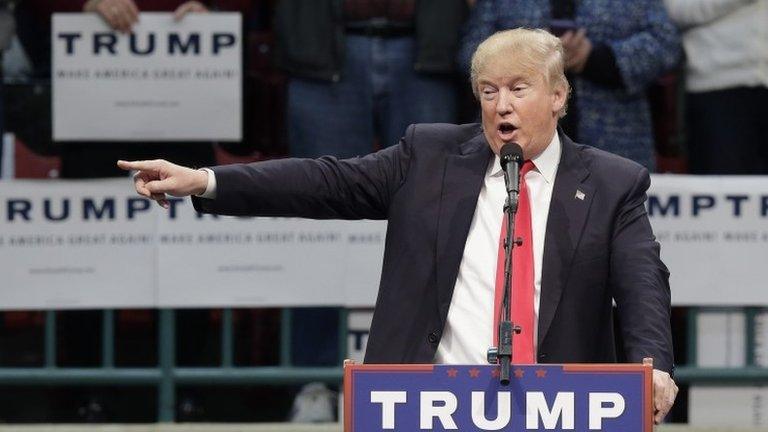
589 242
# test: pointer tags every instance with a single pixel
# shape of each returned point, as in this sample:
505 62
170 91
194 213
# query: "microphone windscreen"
510 152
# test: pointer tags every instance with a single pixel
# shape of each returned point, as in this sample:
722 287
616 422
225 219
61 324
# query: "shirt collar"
546 162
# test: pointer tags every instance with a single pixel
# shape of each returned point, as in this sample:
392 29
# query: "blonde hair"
536 51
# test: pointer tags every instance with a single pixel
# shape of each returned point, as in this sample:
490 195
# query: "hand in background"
189 7
156 178
121 15
577 47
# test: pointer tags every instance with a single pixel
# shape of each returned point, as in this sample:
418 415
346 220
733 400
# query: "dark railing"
166 376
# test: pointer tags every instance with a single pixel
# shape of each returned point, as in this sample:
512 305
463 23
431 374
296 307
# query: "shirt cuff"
210 188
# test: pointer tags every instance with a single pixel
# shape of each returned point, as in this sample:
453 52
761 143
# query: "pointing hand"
156 178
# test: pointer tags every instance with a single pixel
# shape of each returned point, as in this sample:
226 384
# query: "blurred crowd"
675 85
678 80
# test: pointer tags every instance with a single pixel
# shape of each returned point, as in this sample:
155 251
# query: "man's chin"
493 143
499 143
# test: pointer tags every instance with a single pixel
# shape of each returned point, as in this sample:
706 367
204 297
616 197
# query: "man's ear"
559 96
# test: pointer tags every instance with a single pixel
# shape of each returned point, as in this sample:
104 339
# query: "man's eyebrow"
511 80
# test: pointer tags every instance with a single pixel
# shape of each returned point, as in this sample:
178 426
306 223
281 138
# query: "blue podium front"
573 397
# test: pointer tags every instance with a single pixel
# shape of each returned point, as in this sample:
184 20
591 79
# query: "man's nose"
504 102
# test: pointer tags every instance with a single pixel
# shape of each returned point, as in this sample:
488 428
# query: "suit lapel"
571 198
462 180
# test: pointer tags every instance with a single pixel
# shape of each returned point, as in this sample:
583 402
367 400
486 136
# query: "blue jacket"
643 40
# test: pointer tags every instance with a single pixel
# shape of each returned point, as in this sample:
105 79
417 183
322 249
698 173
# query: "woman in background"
614 51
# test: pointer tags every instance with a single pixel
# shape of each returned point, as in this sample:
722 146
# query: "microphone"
511 159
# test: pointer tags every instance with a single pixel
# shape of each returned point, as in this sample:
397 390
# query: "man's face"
518 107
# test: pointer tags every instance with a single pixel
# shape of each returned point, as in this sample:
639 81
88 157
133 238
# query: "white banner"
93 244
166 80
204 260
78 244
713 232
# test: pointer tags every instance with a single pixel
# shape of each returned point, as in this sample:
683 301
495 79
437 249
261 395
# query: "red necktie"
522 277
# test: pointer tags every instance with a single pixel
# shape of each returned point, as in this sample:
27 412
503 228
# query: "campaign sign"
538 397
166 80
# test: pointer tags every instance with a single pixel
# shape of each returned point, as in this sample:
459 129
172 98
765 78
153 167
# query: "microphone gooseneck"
511 160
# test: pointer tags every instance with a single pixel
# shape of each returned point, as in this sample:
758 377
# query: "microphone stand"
503 353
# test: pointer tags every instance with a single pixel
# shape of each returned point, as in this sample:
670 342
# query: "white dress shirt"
210 188
468 331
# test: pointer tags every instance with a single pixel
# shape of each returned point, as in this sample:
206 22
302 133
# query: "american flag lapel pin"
580 195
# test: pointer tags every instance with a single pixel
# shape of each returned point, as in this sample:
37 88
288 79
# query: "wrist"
201 182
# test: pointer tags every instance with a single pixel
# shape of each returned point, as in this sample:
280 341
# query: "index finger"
662 401
123 22
133 11
137 165
182 10
661 413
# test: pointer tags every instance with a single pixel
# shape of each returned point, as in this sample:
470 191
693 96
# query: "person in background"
614 51
726 45
361 71
34 19
121 15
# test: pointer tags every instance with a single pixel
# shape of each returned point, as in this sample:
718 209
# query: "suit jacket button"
432 338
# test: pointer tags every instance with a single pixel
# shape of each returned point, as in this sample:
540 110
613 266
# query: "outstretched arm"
324 188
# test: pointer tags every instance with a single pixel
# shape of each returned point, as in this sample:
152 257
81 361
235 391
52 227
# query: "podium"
540 397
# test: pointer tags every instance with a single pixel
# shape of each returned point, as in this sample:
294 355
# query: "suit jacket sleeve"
324 188
640 282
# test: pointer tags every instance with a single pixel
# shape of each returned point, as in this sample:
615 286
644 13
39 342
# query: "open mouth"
506 130
506 127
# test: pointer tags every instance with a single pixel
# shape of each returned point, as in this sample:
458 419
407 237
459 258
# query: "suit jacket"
597 249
